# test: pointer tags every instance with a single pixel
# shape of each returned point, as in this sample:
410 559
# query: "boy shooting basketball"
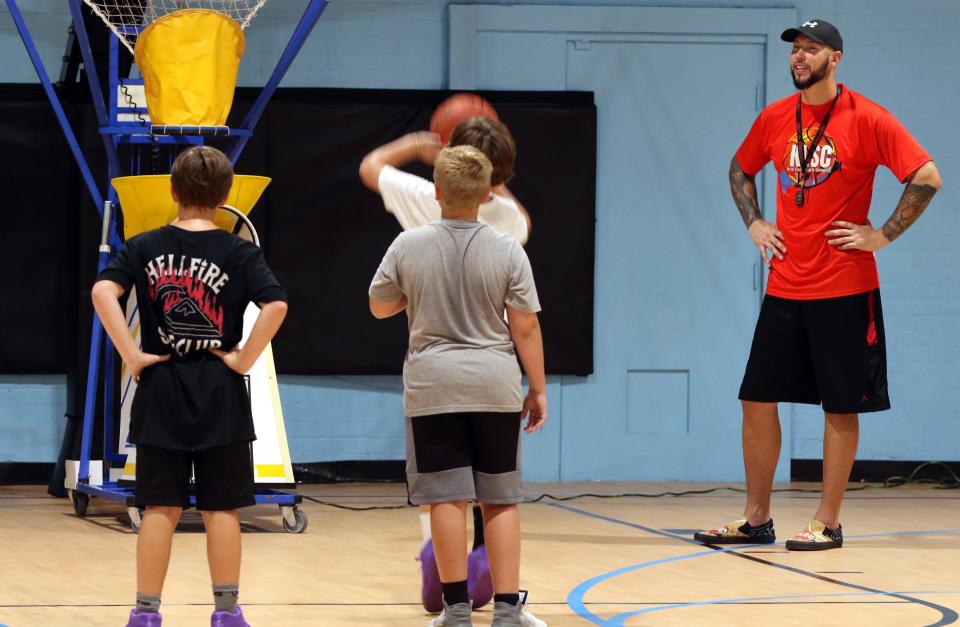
191 411
411 199
461 379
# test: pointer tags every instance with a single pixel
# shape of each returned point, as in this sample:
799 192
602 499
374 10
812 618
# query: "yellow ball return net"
188 53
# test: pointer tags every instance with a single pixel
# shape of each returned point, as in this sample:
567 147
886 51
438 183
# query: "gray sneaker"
457 615
510 616
506 615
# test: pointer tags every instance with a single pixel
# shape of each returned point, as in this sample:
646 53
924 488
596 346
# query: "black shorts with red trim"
829 352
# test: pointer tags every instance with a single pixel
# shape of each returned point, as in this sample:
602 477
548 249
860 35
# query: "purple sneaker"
228 619
431 594
479 580
144 619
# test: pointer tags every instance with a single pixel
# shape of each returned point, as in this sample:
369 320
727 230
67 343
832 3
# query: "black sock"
455 592
477 527
512 599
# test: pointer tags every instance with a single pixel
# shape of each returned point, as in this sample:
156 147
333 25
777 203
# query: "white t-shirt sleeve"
504 215
412 200
408 197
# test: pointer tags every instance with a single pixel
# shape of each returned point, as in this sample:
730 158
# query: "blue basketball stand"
115 130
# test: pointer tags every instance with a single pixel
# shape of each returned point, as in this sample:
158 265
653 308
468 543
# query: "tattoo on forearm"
914 200
744 190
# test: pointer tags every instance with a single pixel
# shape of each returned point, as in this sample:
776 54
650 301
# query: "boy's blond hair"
462 174
201 177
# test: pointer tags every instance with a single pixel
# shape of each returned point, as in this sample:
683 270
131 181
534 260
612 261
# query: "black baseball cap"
821 31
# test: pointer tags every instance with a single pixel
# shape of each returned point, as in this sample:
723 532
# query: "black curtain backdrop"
323 232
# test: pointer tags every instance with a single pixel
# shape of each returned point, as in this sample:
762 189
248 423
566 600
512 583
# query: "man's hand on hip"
768 239
852 236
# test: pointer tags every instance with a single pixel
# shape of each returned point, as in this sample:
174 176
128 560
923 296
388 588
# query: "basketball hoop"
188 53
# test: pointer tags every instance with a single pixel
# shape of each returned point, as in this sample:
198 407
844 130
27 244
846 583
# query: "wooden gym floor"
622 561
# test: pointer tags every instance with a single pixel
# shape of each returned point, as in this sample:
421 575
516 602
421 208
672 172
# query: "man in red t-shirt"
819 338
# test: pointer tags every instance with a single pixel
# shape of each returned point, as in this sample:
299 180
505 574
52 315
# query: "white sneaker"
527 619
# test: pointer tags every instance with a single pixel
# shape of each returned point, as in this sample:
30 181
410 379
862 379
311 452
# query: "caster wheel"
80 502
300 522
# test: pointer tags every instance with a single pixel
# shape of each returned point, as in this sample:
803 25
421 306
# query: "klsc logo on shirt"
823 162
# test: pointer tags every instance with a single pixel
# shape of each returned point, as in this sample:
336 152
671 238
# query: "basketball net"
127 17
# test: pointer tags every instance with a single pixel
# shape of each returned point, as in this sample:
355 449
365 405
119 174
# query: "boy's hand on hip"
142 361
534 410
232 359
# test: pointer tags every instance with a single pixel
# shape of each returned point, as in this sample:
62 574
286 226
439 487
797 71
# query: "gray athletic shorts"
464 457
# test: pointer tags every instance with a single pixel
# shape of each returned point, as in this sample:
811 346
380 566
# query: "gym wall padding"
37 235
323 232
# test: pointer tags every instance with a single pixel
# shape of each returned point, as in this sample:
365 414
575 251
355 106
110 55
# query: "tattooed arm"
921 186
765 235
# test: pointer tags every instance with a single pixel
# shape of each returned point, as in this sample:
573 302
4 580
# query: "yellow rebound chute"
189 61
147 204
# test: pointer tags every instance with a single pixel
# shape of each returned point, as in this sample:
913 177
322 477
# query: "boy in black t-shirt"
191 408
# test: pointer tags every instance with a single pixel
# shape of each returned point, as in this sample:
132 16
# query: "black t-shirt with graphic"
192 290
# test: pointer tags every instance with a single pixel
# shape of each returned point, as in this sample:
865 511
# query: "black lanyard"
805 159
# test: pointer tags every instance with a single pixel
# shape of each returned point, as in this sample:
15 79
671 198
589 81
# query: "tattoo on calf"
744 190
914 200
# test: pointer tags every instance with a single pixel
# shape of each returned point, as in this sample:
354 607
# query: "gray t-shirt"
458 277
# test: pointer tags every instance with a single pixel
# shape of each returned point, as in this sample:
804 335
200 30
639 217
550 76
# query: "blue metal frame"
55 102
93 365
114 133
114 491
93 80
310 16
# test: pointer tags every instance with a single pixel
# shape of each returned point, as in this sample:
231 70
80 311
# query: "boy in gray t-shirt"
462 395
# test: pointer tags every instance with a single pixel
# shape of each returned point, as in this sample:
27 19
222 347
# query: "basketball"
455 110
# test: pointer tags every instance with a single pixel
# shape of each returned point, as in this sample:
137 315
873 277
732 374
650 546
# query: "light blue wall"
32 417
902 54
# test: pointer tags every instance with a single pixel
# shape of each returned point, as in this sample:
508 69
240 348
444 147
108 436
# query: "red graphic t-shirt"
860 135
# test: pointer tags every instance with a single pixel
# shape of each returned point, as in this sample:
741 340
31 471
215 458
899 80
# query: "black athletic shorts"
829 351
464 457
223 477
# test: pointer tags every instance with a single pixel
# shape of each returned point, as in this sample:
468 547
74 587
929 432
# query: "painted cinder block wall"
901 54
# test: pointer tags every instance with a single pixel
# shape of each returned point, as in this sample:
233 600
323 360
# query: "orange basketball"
455 110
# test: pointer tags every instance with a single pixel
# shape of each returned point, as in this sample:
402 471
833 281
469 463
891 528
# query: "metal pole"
93 80
310 16
55 102
93 365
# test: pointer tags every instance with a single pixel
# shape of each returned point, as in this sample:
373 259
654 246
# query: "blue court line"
618 620
576 596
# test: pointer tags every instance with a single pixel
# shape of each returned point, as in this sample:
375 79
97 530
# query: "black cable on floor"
949 482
